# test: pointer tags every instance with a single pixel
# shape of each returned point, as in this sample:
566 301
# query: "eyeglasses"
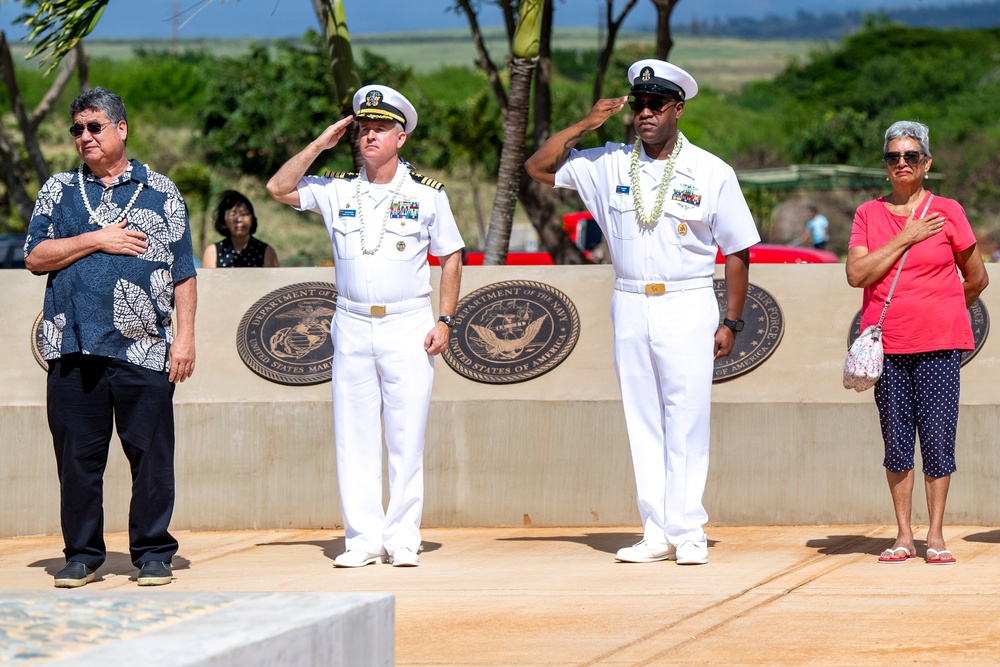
93 127
237 213
655 104
912 158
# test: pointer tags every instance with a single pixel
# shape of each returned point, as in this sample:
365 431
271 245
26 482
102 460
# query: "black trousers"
86 394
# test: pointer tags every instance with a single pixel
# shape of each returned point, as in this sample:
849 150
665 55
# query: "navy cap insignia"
373 98
646 74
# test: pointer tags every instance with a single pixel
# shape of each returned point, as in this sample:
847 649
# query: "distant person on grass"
665 206
926 328
382 223
817 229
113 238
236 221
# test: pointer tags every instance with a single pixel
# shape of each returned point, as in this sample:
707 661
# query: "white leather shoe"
404 557
692 553
645 552
355 558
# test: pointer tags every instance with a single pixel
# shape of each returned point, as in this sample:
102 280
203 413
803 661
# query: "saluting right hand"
332 134
605 109
117 240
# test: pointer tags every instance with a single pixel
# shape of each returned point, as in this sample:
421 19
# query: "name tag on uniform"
347 213
408 210
622 190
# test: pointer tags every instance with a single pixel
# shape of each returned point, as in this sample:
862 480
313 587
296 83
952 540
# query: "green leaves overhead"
58 25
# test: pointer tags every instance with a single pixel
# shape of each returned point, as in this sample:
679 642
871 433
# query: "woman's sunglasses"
912 158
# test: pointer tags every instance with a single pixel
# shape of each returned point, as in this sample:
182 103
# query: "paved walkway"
555 596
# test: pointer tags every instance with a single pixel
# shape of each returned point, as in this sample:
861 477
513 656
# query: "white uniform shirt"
703 199
420 221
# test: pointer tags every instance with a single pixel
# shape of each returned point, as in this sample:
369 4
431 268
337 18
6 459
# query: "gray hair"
100 99
912 129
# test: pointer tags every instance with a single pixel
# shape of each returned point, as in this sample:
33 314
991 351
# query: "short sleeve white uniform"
380 369
664 343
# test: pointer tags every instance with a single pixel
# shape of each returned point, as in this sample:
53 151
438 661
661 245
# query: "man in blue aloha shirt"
113 238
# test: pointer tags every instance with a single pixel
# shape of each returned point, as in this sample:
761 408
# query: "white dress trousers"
381 373
664 346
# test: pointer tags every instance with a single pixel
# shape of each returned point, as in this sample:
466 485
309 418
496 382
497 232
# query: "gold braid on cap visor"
382 113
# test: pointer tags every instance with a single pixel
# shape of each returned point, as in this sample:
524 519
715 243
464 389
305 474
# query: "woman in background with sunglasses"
925 329
235 220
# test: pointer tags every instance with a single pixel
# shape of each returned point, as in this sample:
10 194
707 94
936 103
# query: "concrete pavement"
555 596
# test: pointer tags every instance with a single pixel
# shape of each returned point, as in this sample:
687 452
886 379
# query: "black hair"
228 200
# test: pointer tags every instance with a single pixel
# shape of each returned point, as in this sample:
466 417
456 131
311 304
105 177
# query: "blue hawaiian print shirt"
113 305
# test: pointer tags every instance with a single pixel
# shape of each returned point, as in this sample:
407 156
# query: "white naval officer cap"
377 101
658 77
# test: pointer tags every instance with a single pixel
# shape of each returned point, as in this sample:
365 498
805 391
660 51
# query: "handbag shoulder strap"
892 288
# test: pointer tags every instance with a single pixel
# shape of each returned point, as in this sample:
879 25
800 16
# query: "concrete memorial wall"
789 444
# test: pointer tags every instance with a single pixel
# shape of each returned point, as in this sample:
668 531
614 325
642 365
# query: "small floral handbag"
865 358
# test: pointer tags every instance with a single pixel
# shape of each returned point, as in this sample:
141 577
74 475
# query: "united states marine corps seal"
285 336
512 331
978 317
764 328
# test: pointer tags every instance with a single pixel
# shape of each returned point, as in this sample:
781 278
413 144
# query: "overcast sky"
290 18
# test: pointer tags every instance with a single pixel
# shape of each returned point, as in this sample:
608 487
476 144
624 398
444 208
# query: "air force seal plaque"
285 336
765 326
979 318
512 331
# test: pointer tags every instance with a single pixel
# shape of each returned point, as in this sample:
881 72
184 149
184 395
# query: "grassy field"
721 63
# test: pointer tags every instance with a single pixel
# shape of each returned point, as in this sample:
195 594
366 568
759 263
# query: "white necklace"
650 221
385 218
93 214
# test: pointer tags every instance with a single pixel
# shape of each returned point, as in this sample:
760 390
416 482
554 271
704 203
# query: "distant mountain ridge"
831 25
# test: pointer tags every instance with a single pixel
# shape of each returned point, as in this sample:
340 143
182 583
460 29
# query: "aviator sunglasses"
93 127
655 104
912 158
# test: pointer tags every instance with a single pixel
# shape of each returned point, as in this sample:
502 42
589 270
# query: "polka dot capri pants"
918 394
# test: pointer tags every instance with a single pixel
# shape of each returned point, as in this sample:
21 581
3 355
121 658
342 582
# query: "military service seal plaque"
38 340
765 325
285 336
512 331
978 316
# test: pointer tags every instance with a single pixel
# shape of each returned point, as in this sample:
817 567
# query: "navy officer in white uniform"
664 206
382 223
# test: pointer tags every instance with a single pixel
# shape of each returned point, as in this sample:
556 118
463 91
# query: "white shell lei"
388 209
93 214
651 220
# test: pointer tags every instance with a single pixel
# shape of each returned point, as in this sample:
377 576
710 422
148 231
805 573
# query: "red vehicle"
586 234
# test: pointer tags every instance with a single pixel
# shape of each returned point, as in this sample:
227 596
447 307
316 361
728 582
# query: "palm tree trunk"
515 128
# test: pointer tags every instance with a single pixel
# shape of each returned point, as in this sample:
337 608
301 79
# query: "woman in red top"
925 329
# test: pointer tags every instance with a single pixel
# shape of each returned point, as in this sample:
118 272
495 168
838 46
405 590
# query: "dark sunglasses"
93 127
655 104
912 158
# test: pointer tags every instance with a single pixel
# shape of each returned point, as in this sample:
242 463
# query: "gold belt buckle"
378 311
655 288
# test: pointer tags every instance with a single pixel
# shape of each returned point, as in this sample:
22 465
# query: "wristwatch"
735 325
447 319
